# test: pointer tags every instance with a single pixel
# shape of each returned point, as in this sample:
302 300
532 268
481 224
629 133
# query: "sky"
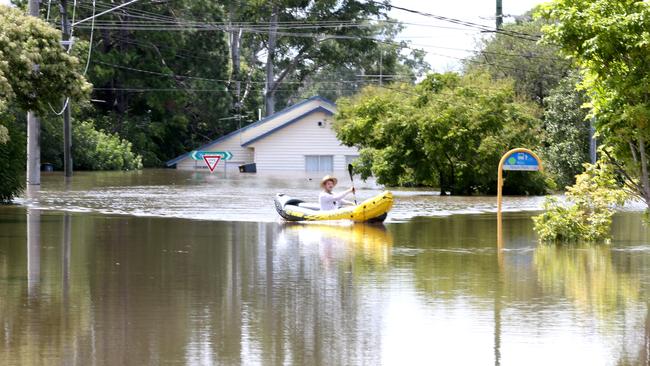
438 41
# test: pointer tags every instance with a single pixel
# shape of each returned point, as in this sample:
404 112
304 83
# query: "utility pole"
33 127
499 14
67 130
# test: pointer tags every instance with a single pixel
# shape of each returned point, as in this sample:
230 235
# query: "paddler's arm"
342 195
346 202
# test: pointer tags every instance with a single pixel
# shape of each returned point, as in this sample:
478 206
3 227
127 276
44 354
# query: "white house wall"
283 117
286 148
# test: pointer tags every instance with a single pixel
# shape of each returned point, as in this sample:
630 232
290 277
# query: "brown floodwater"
149 285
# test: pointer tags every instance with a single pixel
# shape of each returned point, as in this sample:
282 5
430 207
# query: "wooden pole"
67 128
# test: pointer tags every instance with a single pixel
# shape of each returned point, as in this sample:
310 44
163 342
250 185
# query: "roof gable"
288 123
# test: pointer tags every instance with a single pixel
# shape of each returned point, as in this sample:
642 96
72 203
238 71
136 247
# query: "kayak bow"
374 209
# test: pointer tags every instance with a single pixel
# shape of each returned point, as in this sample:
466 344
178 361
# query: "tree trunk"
645 181
269 96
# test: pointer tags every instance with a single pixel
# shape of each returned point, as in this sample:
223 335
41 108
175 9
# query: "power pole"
67 130
33 127
499 14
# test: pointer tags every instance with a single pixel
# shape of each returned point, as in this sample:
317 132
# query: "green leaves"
588 214
12 160
608 39
35 70
448 131
98 150
567 132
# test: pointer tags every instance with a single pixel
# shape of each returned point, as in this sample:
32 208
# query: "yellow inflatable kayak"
373 209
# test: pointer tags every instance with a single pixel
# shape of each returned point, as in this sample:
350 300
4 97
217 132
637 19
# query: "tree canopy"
35 72
535 67
448 131
34 69
609 41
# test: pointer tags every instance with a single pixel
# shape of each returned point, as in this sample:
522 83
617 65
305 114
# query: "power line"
104 12
485 28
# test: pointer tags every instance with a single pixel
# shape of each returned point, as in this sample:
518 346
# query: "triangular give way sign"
211 161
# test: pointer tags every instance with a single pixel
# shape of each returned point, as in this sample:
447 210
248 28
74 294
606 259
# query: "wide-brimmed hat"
326 178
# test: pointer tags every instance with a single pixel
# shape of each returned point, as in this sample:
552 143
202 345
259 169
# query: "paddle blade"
350 171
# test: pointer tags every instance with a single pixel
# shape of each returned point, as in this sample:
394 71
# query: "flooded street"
169 267
231 197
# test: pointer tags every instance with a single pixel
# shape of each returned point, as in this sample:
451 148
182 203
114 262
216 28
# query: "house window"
349 159
319 163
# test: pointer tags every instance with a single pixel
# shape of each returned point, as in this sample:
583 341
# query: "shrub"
588 215
98 150
12 161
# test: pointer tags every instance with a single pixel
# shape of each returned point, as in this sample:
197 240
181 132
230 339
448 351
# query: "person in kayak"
327 199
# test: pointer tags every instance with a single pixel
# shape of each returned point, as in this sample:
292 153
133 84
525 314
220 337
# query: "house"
297 138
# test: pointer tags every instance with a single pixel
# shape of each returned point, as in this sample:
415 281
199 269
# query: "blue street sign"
198 155
521 161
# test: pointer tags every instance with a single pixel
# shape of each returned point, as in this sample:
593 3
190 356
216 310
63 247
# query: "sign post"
516 159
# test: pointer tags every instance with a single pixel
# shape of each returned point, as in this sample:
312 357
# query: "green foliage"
12 160
34 71
588 215
34 68
164 91
334 79
609 41
448 131
566 136
97 150
536 68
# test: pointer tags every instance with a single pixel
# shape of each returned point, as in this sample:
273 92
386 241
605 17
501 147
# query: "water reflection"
33 244
587 275
127 290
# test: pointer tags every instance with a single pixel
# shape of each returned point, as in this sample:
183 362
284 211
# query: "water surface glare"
96 289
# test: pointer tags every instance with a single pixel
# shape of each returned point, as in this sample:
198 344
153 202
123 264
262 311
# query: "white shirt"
329 201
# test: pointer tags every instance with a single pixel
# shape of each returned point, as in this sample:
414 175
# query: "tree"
450 130
384 64
609 41
302 37
566 137
165 90
535 67
34 71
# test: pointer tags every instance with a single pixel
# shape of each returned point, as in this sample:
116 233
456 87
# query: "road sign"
515 159
521 160
211 161
198 155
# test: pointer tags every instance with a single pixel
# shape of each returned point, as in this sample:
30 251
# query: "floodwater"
159 267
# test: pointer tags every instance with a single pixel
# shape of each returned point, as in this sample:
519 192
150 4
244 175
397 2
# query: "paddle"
352 180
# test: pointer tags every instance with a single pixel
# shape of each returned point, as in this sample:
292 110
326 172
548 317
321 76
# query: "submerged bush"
588 215
98 150
12 161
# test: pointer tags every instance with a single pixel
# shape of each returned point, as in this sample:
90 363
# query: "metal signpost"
516 159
